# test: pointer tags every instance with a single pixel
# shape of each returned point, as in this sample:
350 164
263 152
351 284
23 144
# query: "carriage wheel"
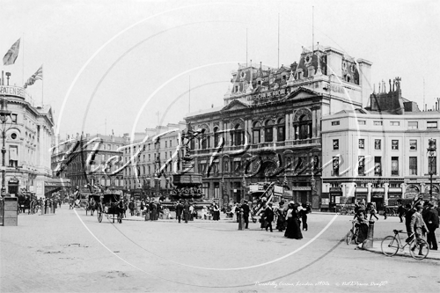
99 217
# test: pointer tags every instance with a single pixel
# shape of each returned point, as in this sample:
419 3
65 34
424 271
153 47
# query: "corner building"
379 154
271 124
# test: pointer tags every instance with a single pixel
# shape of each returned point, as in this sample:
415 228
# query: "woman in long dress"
293 226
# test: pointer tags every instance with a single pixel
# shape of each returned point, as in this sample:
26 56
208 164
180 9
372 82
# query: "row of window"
378 144
411 124
432 166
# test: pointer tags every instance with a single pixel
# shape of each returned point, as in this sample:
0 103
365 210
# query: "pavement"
433 254
72 252
376 248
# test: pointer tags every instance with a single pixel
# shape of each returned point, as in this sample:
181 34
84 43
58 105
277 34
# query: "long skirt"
293 229
281 223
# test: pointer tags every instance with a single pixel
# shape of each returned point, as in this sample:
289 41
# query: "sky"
120 66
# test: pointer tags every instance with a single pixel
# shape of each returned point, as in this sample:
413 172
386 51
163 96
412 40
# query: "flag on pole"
38 75
12 54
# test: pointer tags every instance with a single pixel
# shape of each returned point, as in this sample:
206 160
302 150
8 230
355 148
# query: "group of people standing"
287 218
422 218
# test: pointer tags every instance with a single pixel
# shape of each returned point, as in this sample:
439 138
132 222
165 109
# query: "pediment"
302 93
235 105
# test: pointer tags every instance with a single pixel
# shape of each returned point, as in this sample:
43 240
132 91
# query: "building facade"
27 136
269 128
87 160
150 152
379 154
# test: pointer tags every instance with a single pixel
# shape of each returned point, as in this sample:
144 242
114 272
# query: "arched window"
305 127
256 132
303 124
216 137
238 135
268 131
281 130
204 141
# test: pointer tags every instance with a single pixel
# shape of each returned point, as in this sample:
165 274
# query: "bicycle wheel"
390 245
419 249
349 237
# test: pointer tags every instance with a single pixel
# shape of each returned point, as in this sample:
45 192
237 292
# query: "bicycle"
353 234
392 244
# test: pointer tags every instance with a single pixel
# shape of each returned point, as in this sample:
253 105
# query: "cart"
111 206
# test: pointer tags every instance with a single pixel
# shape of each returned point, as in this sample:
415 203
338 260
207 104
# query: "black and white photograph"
219 146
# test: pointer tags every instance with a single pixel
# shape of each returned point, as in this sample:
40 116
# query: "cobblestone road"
72 252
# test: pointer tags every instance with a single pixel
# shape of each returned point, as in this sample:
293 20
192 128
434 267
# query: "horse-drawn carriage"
112 205
92 203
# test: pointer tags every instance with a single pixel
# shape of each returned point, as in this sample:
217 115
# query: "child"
373 211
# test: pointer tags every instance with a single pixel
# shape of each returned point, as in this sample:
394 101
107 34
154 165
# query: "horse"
92 206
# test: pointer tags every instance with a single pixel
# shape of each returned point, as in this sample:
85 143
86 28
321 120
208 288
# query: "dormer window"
311 71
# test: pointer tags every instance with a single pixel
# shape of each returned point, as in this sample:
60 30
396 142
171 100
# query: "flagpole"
22 69
42 87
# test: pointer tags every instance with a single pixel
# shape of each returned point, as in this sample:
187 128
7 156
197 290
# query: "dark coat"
179 208
430 216
268 214
246 209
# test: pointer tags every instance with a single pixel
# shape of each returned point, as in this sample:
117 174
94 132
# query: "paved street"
72 252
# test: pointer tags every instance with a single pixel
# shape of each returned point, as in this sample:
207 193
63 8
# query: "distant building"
379 153
140 178
28 138
89 160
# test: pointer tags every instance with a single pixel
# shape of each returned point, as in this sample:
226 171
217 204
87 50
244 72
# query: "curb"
400 254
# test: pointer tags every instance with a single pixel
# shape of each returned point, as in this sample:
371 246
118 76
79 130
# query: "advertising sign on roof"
12 91
278 190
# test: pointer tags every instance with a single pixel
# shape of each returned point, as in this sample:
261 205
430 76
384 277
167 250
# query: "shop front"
361 194
394 194
335 198
377 197
412 191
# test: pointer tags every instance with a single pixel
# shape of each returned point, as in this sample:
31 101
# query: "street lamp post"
4 114
431 151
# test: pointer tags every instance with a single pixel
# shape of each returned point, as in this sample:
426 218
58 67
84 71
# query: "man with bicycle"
417 226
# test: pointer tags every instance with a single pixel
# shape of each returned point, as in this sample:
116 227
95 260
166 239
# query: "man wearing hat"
430 216
246 210
418 226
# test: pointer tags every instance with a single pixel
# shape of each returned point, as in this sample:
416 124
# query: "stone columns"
403 186
291 128
369 192
385 194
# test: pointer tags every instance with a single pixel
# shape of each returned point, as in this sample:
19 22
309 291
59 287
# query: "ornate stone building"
270 125
28 137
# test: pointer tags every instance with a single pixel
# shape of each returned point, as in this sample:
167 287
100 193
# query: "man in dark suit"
268 215
246 210
179 209
186 211
430 216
